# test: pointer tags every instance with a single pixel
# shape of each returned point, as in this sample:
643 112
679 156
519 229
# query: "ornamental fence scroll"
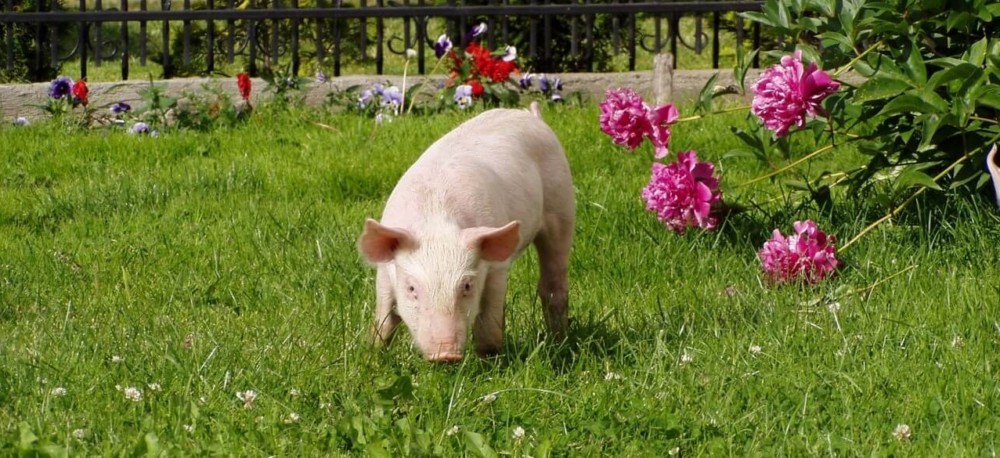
195 36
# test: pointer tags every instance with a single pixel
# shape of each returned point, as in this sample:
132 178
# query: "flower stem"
406 65
856 59
789 166
436 65
977 118
895 211
724 110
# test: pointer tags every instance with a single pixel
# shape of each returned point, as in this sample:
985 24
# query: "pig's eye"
411 291
466 287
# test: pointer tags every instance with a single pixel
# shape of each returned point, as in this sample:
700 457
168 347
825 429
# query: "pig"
454 223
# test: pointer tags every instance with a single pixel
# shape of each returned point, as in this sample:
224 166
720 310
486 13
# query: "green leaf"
880 87
908 103
912 176
977 53
959 72
837 38
475 444
988 96
706 95
377 450
915 66
27 439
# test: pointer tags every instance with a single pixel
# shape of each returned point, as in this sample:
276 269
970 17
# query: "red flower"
80 91
477 87
243 82
497 70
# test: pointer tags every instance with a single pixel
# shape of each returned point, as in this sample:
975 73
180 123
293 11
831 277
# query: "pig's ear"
495 244
379 243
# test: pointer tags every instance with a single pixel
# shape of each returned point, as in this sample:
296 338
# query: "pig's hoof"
445 357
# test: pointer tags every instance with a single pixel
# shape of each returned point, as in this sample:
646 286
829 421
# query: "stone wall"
19 99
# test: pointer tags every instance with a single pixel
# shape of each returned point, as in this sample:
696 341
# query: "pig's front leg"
488 329
554 244
386 318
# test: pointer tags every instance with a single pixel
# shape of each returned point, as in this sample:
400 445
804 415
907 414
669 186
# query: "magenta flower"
786 93
623 117
659 120
683 193
807 255
627 119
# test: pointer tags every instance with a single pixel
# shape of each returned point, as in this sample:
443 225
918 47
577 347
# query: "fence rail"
264 31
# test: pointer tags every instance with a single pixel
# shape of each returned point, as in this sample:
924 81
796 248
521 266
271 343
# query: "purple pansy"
60 87
442 46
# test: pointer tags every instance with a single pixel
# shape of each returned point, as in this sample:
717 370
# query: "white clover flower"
294 392
755 350
686 357
133 394
59 391
833 307
154 387
453 430
957 342
488 398
292 418
411 53
202 400
189 428
518 433
612 376
902 432
117 359
79 433
674 451
247 397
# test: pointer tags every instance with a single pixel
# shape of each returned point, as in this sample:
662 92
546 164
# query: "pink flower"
623 117
806 255
683 193
627 119
786 93
659 120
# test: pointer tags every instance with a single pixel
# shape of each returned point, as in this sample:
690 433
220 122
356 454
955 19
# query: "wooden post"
663 78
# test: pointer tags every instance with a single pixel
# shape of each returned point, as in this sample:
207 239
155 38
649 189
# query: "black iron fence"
196 37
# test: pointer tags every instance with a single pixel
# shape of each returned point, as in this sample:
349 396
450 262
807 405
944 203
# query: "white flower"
902 432
518 433
686 357
324 405
154 386
509 54
453 430
79 433
133 394
59 391
247 397
833 307
117 359
294 392
488 398
189 428
292 418
612 376
674 451
202 400
957 342
755 350
411 53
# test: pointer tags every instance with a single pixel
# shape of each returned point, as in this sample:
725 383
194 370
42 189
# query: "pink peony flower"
683 193
806 255
627 119
659 120
623 117
786 93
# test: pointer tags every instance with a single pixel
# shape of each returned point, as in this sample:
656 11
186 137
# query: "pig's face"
438 278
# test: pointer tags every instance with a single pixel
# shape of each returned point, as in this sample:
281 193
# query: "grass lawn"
194 266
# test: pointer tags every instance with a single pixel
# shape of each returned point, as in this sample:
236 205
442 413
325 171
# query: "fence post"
663 78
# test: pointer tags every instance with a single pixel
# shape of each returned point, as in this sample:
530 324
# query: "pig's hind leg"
386 318
553 244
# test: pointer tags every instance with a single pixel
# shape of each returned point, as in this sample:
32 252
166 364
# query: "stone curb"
22 99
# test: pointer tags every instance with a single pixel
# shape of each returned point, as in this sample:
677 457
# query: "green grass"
213 263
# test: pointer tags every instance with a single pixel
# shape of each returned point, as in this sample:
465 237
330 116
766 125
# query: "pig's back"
492 169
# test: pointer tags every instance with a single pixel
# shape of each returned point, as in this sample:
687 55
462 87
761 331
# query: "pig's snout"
445 357
444 353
